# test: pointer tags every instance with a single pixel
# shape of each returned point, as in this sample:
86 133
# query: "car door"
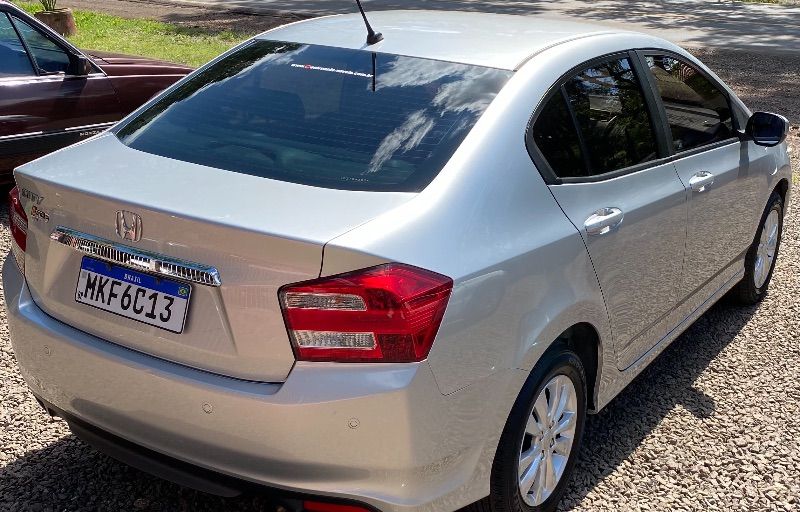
16 69
44 104
724 177
602 151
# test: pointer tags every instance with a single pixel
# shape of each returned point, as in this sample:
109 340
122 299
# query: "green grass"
193 46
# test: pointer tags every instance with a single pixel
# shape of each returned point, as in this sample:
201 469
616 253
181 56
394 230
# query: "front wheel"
541 439
760 260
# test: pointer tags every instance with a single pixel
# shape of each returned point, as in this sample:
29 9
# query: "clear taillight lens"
388 313
18 222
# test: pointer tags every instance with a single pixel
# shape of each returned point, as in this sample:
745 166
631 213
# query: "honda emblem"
129 226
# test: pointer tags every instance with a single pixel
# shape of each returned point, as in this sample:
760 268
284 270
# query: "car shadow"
613 434
70 475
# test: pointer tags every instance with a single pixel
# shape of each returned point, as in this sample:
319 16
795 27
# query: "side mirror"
767 129
80 66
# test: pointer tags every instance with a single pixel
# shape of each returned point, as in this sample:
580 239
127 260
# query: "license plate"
135 295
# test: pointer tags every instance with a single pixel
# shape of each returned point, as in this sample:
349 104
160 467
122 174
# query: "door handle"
603 221
701 181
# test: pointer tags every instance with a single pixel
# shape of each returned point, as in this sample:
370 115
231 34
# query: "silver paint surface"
427 432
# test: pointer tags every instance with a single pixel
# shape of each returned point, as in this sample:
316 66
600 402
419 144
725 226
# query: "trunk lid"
260 234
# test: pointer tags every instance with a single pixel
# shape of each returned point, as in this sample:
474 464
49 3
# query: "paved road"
691 23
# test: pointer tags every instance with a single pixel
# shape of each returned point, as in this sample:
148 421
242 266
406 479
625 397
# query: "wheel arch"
591 342
584 340
782 188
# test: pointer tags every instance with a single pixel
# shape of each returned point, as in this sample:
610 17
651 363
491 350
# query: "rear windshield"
320 116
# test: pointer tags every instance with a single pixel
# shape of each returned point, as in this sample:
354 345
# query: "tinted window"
49 57
555 136
316 115
13 59
612 116
697 111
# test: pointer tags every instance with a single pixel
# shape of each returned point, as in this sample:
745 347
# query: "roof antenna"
372 36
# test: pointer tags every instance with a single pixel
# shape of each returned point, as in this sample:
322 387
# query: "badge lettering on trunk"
129 225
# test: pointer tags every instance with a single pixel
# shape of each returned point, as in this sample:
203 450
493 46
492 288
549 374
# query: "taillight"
388 313
321 506
18 222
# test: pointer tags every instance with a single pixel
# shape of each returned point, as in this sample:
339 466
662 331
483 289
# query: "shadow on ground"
192 19
718 24
613 434
722 24
763 82
214 22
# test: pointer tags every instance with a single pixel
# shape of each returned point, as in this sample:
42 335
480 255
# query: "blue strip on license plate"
135 295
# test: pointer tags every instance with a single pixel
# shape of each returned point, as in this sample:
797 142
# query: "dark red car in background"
53 95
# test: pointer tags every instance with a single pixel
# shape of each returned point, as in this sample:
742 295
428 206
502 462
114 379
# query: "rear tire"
760 260
533 435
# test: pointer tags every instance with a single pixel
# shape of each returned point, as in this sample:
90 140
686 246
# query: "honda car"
389 274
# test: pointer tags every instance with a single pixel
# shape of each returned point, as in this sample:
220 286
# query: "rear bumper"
181 472
380 434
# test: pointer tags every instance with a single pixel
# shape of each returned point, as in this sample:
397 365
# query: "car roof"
493 40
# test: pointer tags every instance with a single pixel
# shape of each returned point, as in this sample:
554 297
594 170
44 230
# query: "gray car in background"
390 276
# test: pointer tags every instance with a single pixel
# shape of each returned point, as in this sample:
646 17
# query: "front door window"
50 58
698 112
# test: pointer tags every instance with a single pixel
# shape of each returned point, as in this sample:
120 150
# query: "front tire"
762 255
542 437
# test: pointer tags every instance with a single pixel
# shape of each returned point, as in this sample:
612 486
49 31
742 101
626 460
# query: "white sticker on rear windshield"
332 70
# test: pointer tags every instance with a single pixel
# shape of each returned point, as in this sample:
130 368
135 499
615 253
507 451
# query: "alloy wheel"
765 253
548 440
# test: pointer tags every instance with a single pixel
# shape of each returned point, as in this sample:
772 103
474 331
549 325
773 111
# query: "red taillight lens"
320 506
388 313
18 222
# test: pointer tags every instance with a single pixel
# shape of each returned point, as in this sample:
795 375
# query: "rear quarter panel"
521 272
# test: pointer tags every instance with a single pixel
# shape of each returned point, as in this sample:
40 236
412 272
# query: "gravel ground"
713 424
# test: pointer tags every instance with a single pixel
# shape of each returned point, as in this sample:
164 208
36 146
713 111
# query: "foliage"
148 38
49 5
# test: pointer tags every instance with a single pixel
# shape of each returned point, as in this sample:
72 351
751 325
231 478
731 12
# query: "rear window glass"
320 116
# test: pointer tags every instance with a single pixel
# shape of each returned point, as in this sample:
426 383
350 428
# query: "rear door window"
597 124
14 59
697 110
321 116
612 116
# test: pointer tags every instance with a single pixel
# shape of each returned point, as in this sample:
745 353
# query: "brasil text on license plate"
142 297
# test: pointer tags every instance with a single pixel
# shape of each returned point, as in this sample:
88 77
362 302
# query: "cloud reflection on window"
455 88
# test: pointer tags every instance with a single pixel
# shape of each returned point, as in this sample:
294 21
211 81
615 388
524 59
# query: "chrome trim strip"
73 129
136 259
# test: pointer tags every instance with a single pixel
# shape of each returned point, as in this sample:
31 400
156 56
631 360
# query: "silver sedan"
394 274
